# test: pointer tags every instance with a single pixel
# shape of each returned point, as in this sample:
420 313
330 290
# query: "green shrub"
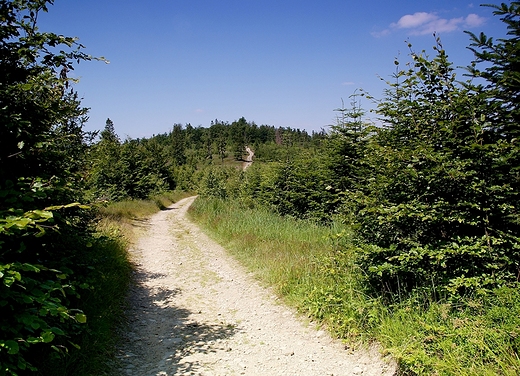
439 211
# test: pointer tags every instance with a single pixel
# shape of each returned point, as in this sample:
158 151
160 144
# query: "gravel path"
249 159
195 311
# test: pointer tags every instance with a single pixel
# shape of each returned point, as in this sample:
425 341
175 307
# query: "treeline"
138 168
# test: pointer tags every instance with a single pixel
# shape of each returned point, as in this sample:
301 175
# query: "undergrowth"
103 303
313 268
108 277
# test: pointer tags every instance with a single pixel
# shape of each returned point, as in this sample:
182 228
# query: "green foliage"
214 181
138 168
472 337
439 210
178 145
296 188
314 268
44 233
239 138
501 69
106 273
132 169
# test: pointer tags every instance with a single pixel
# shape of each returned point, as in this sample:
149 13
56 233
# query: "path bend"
193 310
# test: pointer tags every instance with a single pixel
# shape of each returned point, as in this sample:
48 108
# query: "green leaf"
57 331
81 318
30 268
75 345
47 337
12 346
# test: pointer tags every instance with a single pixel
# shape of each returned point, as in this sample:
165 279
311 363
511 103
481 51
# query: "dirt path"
195 311
249 159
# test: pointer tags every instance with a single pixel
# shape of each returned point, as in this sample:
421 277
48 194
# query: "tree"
109 133
43 231
178 145
501 70
108 168
346 146
135 168
237 133
219 134
441 210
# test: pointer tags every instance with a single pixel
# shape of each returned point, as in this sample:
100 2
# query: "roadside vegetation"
313 267
406 233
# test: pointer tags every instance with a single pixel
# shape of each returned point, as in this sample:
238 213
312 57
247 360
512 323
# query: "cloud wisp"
423 23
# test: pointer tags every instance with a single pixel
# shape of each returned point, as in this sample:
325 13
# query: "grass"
314 269
277 249
120 217
132 209
109 275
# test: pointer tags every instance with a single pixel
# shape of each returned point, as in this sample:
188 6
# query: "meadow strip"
313 268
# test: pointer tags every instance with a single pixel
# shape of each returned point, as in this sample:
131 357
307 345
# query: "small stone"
357 370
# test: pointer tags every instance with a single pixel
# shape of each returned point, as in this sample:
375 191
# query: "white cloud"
379 34
474 20
422 23
415 20
348 83
440 25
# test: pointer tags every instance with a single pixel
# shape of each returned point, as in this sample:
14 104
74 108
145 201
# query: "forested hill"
137 168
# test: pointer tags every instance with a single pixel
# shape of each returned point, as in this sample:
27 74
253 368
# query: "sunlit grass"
281 251
313 268
132 209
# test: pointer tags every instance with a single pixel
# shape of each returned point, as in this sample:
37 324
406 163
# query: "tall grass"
281 251
132 209
119 218
108 275
314 269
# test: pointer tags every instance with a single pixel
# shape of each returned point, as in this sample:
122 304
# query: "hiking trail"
193 310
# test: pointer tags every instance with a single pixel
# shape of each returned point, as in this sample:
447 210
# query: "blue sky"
278 62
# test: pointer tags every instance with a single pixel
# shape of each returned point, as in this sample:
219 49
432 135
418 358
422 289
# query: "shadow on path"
162 338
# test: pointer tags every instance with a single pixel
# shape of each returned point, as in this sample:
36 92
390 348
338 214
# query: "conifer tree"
441 212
